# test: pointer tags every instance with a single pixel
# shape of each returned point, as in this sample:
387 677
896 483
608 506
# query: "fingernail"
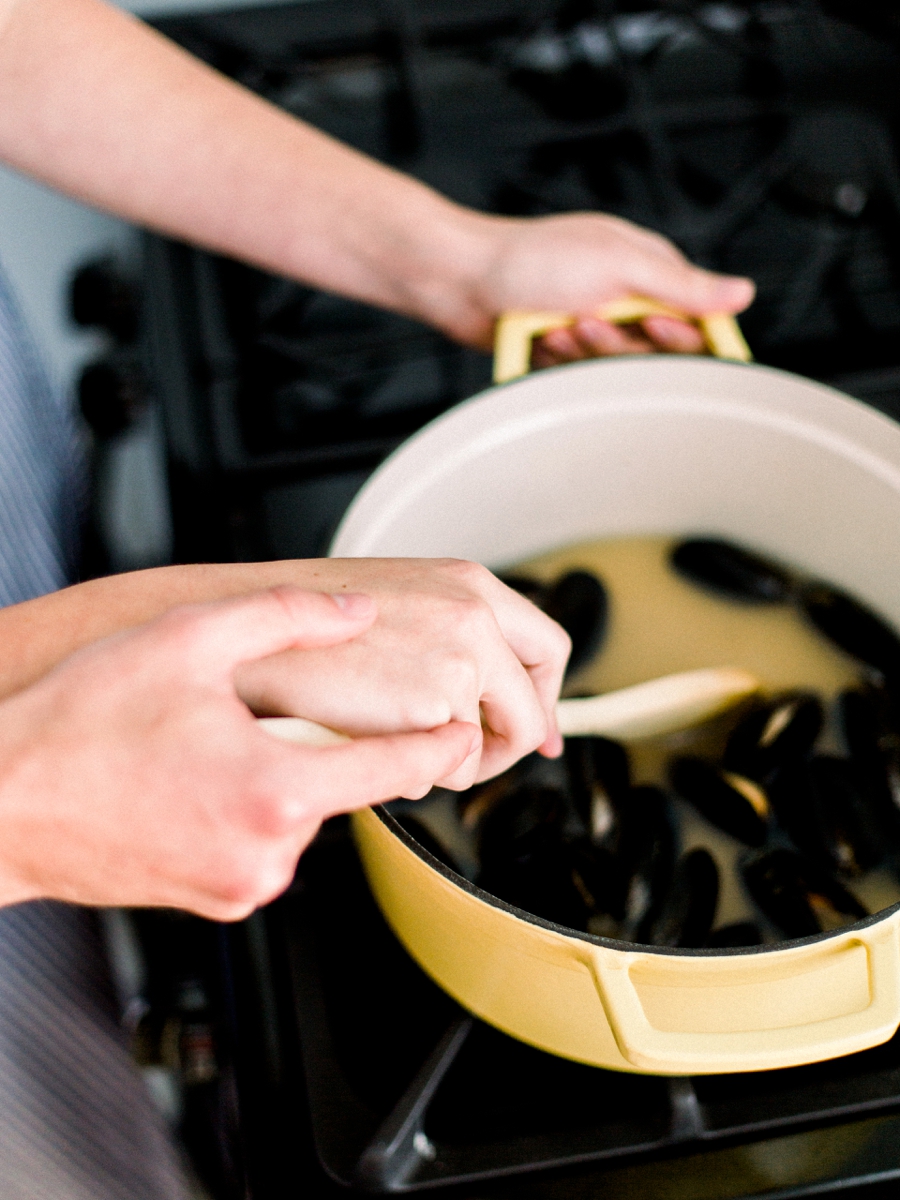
353 604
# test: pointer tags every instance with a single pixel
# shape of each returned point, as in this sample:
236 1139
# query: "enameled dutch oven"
655 445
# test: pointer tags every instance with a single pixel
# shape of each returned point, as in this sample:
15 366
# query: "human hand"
577 262
133 774
451 642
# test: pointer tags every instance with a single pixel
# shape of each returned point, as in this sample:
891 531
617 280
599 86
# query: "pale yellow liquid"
660 623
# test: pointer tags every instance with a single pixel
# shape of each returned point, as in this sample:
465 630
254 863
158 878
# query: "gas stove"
760 137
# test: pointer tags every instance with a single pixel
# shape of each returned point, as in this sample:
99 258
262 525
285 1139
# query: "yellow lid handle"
516 330
684 1015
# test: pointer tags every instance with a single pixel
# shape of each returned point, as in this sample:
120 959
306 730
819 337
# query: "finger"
541 357
677 282
214 638
372 770
466 774
563 345
540 645
515 719
603 338
675 337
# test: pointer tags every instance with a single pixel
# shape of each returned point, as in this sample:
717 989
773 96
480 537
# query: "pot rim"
521 914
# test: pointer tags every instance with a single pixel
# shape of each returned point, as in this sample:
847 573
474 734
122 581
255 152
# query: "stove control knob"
111 395
102 298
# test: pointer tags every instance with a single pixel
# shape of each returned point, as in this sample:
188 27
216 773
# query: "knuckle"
464 571
272 815
459 671
247 885
427 712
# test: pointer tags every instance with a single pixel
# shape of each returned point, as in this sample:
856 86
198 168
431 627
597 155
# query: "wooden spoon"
650 709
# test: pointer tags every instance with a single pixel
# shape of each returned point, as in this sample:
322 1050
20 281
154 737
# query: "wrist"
19 806
448 263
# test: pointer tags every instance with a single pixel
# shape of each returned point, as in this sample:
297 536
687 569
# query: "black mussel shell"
599 778
741 933
525 858
871 730
852 627
733 804
426 839
779 732
689 909
526 585
521 823
579 603
797 895
531 771
731 571
820 805
544 885
643 861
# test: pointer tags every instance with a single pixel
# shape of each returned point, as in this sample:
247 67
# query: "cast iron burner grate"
407 1092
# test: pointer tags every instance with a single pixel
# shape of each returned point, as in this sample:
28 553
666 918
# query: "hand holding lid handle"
516 331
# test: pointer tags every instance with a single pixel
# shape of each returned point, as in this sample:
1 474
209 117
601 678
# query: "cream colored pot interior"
656 445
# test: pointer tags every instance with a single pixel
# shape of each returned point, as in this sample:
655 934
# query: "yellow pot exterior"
635 1010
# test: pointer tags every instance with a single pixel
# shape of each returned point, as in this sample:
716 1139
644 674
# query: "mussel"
852 627
871 730
732 803
820 805
689 909
643 862
599 778
579 603
797 895
731 571
782 731
526 858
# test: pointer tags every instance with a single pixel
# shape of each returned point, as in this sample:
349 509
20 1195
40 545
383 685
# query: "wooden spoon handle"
657 707
646 710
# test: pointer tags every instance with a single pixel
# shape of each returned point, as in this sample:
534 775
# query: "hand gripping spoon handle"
650 709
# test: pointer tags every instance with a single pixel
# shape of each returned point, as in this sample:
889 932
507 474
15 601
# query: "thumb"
214 638
695 291
370 770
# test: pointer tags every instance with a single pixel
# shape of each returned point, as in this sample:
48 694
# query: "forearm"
97 104
38 634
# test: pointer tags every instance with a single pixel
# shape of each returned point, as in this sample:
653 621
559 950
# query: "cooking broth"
660 623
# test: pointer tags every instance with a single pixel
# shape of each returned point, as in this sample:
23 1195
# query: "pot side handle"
516 330
685 1015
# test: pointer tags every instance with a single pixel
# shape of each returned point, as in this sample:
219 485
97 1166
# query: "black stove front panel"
760 137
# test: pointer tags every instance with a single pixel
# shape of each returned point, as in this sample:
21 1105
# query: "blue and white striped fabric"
39 468
76 1122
